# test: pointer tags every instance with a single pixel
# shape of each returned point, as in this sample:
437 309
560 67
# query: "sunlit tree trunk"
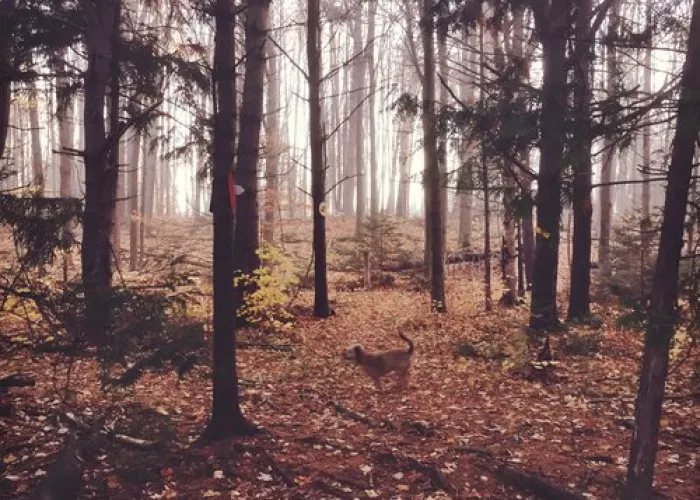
664 293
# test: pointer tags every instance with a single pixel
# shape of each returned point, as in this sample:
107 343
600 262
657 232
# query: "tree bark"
272 137
432 168
579 297
133 195
664 293
102 32
552 24
64 116
6 20
321 306
245 256
35 133
373 180
226 416
608 167
645 225
358 82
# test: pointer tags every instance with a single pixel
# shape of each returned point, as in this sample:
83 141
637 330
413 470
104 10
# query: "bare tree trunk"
443 96
226 416
608 167
349 152
645 225
64 116
321 306
430 147
485 184
358 81
554 93
245 256
35 133
508 252
465 193
579 297
373 180
102 34
133 194
273 150
664 293
6 20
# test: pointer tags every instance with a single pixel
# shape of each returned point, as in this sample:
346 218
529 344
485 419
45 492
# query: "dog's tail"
410 343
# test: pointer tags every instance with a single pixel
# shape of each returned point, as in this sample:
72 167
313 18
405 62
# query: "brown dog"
378 364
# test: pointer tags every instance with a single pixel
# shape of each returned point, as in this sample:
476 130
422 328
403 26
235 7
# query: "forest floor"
475 422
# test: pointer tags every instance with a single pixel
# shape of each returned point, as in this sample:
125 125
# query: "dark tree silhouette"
664 293
102 32
226 416
579 298
318 172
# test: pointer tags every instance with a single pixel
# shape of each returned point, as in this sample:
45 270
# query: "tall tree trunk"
114 152
465 193
551 27
433 211
226 416
102 33
358 82
373 180
133 202
273 142
64 116
608 168
579 297
664 293
405 133
485 185
6 21
443 96
321 306
645 225
508 251
349 152
38 180
245 256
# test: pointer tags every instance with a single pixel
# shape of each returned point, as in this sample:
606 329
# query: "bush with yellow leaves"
268 291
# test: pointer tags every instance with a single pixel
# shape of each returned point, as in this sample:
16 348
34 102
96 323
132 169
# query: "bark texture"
664 293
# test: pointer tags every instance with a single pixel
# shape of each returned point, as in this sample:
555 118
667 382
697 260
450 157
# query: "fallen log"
17 380
543 488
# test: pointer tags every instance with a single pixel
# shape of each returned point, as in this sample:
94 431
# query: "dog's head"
354 352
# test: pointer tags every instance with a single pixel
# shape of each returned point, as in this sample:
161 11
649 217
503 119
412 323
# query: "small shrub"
266 305
581 343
